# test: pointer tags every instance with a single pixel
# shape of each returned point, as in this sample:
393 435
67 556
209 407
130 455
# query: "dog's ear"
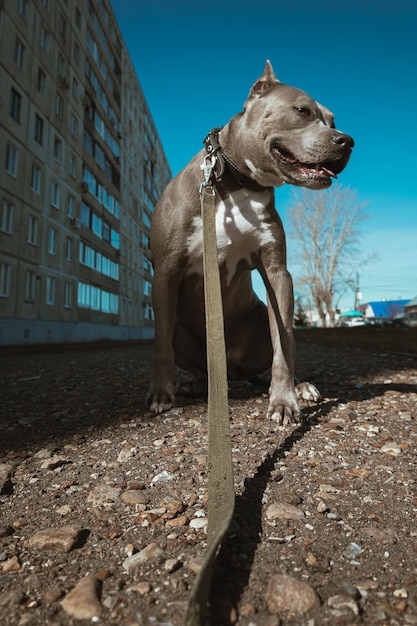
265 82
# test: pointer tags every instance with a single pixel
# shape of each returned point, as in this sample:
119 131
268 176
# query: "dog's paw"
307 392
284 411
159 402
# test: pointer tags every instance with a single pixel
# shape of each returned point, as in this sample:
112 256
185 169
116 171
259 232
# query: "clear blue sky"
196 62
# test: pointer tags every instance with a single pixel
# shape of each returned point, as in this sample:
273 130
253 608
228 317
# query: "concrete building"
81 167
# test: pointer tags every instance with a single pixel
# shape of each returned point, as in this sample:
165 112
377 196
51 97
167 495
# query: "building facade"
81 168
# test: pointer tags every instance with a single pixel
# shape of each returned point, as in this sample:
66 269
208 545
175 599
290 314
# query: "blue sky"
196 62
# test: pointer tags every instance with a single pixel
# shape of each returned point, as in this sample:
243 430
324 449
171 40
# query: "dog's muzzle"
314 174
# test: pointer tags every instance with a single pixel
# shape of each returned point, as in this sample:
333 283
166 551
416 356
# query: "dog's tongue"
328 172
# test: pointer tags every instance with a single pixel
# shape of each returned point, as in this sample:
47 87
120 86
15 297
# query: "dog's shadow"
230 578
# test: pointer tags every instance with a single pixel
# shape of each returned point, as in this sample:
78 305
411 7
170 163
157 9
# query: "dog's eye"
304 111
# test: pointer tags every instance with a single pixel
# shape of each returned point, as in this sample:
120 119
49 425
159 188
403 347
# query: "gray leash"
221 495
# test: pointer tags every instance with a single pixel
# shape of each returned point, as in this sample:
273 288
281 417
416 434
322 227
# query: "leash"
221 495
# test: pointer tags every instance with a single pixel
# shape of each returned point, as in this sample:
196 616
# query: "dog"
282 136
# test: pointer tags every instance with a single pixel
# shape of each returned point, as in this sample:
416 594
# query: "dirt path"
99 496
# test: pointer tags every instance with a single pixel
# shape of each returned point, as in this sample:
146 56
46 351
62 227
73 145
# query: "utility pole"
358 295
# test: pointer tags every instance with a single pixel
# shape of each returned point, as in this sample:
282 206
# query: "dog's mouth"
309 171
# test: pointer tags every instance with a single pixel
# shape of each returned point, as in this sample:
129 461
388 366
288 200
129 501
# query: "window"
22 8
60 66
11 159
74 126
72 166
35 184
15 105
106 231
38 134
147 288
52 241
50 290
62 26
43 38
55 195
96 225
41 84
6 223
85 215
68 295
68 248
19 53
33 230
57 149
76 53
59 106
30 286
70 206
75 87
5 276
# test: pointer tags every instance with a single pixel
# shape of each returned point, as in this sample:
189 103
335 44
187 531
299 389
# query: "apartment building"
81 168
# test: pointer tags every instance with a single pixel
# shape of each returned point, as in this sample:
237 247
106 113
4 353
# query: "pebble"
152 552
352 551
391 448
142 587
83 602
288 596
126 453
62 539
198 522
171 565
162 477
103 495
134 497
11 565
6 485
341 602
54 462
281 510
10 599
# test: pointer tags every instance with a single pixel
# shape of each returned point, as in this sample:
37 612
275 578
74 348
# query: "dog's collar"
224 165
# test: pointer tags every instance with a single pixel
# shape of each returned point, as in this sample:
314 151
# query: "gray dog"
282 136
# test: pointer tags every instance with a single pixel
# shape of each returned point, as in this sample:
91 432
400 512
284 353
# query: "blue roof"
388 308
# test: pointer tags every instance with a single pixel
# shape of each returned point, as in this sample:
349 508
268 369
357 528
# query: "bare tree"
325 228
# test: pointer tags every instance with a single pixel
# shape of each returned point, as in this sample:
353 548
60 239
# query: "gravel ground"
103 507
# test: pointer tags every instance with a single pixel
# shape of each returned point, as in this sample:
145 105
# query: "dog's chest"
241 230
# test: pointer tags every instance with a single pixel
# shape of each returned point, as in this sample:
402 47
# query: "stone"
103 495
143 588
171 565
10 599
63 538
341 602
162 477
83 602
288 596
126 453
391 448
6 485
133 497
198 522
54 462
152 552
11 565
281 510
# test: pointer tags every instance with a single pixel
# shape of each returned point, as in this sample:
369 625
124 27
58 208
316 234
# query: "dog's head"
293 136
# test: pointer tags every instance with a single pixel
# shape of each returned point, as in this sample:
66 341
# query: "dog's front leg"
283 405
164 299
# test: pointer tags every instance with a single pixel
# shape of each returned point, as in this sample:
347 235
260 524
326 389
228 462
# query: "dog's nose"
343 140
